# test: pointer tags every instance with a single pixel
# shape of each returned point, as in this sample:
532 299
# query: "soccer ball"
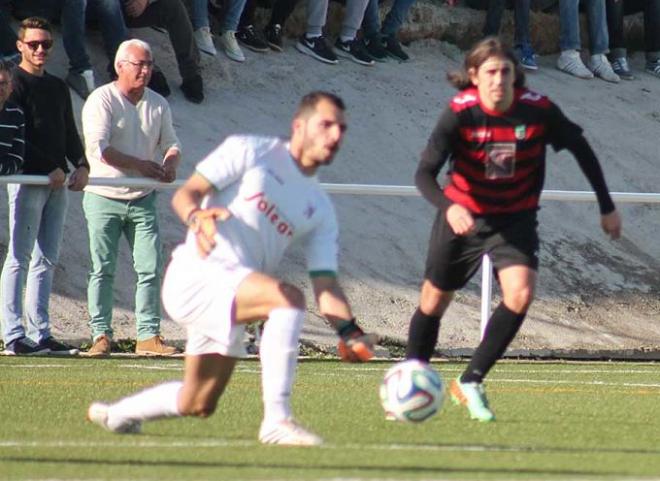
412 391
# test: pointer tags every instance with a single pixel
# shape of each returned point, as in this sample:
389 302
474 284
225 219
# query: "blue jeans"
36 221
233 14
569 26
199 13
137 220
393 21
521 21
111 22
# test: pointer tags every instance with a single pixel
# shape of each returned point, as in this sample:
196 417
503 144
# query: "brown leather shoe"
101 347
155 346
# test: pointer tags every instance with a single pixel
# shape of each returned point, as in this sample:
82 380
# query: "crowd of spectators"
125 123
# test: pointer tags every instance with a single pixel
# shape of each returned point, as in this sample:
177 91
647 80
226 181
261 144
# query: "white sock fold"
279 355
156 402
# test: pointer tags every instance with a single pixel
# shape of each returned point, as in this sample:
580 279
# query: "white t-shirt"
272 203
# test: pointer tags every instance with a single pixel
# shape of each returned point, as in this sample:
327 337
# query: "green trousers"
107 220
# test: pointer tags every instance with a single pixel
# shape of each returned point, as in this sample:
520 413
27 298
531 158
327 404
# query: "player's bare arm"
187 205
354 345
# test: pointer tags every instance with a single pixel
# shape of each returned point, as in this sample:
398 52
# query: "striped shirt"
498 158
12 139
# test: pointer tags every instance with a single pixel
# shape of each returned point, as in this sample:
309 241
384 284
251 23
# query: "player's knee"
292 296
433 301
519 299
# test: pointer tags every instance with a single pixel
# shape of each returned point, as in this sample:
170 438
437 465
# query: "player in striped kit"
244 205
494 132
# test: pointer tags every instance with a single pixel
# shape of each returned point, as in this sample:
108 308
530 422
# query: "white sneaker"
602 68
98 414
288 433
230 46
204 41
570 62
88 76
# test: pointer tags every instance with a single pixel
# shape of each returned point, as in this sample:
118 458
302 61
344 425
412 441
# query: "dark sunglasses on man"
35 44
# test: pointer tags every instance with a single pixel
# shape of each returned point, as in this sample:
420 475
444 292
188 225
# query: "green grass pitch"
556 421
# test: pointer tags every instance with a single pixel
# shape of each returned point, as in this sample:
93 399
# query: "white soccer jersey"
272 203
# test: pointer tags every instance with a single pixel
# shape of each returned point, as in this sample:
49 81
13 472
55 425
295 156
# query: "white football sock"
279 354
156 402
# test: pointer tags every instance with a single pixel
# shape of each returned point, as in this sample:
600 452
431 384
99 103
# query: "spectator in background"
382 40
199 16
271 37
173 17
569 60
228 26
12 125
37 212
521 40
113 30
616 9
123 139
313 43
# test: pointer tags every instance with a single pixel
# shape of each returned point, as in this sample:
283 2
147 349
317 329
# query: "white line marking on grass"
502 369
582 383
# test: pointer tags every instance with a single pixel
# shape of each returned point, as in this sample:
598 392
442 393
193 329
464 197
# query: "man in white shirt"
127 127
245 204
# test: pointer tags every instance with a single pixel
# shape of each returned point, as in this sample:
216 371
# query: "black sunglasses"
34 44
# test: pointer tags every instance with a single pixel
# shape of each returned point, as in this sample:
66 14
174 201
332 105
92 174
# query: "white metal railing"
371 189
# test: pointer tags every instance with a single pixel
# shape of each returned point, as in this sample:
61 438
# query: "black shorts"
509 239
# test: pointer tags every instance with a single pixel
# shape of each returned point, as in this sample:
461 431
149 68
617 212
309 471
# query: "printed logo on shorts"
271 212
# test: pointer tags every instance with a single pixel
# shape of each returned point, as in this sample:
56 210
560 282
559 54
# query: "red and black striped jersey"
497 159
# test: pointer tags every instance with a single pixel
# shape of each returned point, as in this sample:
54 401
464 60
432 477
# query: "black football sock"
422 336
502 328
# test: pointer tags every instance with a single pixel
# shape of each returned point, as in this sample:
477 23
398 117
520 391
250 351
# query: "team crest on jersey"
520 132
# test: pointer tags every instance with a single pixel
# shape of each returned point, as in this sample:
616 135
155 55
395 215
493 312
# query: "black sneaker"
355 50
316 47
376 49
193 89
252 39
394 49
273 34
58 348
158 83
24 346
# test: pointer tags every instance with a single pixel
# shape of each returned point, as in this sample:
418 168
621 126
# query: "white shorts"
199 295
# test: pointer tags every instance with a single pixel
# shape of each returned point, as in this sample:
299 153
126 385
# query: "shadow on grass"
334 468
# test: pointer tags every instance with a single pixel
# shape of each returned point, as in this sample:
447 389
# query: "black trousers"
281 10
616 9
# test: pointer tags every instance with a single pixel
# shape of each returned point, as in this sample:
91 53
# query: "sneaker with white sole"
653 67
24 346
204 41
98 414
288 433
601 68
230 46
354 50
621 68
316 47
569 61
473 396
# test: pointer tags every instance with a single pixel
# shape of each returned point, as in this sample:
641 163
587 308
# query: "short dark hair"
35 23
478 54
308 103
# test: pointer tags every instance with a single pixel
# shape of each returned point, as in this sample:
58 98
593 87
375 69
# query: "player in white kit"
244 205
